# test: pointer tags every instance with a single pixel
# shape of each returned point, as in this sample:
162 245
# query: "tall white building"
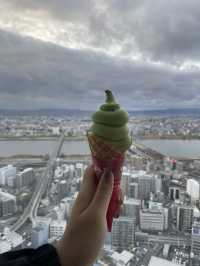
123 234
63 189
196 238
7 204
25 178
125 180
43 222
146 185
158 184
10 181
184 218
39 236
131 208
193 189
133 190
6 172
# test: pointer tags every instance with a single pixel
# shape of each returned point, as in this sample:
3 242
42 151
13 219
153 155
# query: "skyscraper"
193 189
131 208
6 172
196 238
25 178
146 185
39 236
133 190
184 218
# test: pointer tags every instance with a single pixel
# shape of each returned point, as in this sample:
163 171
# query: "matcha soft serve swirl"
110 123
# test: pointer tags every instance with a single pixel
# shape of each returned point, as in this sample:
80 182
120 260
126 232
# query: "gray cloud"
34 74
71 10
160 30
166 31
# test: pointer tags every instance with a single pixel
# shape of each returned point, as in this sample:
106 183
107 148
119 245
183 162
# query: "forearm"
44 255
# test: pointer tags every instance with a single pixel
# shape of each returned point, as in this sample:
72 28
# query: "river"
41 147
173 148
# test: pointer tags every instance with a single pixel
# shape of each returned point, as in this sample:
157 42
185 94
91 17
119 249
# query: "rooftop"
155 261
6 196
124 257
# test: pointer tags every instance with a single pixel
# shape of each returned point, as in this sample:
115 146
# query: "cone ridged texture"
102 150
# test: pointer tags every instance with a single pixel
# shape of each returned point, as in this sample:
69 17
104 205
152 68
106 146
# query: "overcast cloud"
52 52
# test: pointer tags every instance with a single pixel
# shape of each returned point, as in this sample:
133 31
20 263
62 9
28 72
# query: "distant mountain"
80 113
168 112
46 112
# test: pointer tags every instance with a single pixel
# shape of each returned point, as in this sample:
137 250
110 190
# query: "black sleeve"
45 255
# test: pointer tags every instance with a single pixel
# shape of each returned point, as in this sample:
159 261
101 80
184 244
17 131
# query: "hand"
86 231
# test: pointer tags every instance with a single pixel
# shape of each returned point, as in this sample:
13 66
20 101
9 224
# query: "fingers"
119 211
87 191
103 194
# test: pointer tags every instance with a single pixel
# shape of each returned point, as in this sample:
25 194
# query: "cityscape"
123 75
160 218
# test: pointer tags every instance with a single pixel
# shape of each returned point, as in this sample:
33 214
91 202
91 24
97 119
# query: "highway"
172 240
31 210
176 240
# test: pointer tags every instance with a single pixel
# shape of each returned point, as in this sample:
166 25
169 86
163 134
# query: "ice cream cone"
109 139
104 156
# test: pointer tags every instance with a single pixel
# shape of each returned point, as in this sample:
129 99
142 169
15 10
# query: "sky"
65 53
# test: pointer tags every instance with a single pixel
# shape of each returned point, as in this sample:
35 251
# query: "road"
31 210
177 240
153 251
172 240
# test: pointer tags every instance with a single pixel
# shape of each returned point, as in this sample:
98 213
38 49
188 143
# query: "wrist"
63 254
66 256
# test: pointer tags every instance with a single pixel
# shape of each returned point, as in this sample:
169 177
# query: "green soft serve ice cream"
110 123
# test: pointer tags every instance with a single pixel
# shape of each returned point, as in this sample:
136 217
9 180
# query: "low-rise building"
155 261
122 259
155 218
7 204
123 234
57 228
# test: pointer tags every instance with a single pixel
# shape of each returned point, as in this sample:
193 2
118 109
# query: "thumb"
104 192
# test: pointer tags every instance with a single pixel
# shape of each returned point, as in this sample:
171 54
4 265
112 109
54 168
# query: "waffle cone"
100 149
104 155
